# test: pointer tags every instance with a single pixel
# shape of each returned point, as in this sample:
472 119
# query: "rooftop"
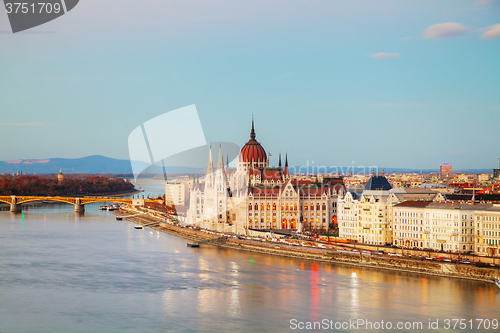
378 183
418 204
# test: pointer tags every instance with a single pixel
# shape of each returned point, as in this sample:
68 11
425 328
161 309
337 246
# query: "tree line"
49 185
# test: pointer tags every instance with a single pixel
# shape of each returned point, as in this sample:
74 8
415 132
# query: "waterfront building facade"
177 192
448 226
409 229
440 226
256 196
487 231
366 217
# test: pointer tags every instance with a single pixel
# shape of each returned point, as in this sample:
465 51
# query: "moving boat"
497 282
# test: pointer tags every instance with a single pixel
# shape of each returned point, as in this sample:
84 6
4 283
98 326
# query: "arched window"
282 206
286 207
268 207
261 206
317 206
274 206
312 206
250 207
256 207
324 207
305 206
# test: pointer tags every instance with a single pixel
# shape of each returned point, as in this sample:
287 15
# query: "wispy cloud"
385 55
33 123
406 38
483 2
170 32
445 30
493 31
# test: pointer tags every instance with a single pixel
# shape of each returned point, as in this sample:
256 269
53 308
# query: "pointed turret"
286 166
210 166
220 162
227 165
279 163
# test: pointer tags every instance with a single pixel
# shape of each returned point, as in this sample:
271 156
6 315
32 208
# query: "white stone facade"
255 196
487 231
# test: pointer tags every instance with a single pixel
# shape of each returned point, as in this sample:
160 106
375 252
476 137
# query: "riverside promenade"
335 254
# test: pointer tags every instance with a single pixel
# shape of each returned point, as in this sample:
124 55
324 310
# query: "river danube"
62 272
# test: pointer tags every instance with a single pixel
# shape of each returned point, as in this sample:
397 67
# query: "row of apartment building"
417 218
456 227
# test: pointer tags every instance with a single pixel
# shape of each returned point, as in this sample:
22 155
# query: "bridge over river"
79 202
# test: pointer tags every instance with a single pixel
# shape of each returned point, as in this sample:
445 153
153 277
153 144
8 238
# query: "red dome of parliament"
252 151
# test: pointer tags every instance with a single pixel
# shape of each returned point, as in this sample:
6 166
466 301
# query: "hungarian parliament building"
255 196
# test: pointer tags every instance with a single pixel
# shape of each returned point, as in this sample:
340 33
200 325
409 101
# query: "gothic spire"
220 163
210 166
252 133
286 165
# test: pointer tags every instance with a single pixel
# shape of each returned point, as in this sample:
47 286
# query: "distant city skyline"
396 84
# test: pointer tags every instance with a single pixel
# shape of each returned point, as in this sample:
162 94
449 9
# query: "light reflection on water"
64 272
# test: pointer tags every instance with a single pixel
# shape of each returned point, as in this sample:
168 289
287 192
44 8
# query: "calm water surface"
61 272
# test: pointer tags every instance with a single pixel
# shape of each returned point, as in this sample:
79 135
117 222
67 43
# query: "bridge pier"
79 208
14 206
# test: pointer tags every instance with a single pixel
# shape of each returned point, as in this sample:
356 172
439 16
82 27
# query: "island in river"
64 185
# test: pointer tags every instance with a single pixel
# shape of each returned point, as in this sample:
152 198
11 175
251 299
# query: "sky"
399 84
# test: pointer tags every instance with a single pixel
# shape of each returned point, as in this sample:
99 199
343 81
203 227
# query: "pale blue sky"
78 85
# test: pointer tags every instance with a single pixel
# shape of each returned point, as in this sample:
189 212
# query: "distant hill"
89 164
102 164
